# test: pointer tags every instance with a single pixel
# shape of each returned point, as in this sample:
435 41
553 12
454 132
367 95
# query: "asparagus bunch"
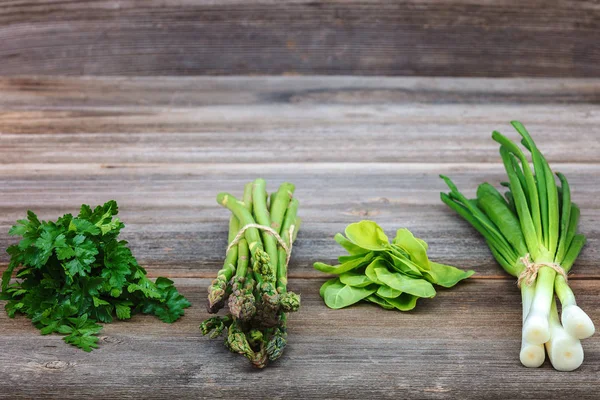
253 280
532 233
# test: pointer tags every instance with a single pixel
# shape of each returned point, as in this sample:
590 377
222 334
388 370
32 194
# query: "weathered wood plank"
287 134
377 37
322 119
357 148
462 344
176 228
55 92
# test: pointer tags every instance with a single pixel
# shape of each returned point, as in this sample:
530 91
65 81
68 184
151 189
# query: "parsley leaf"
74 273
170 306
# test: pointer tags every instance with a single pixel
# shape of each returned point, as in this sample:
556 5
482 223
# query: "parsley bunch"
74 273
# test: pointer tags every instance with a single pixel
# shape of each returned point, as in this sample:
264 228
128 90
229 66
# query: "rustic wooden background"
502 38
101 99
356 148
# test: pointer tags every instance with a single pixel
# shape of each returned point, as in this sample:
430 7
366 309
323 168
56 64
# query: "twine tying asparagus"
531 270
284 246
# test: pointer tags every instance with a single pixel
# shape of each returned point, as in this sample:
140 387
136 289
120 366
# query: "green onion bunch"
532 233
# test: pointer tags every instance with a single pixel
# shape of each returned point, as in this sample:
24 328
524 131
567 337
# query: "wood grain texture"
457 345
355 148
292 119
369 37
176 227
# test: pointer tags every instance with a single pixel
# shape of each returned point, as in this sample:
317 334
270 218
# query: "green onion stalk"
532 233
254 275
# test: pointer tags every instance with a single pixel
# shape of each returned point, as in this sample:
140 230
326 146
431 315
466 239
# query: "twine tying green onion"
531 270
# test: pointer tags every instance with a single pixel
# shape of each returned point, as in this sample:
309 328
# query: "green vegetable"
350 265
404 302
326 285
74 273
367 235
446 275
255 274
216 291
371 270
374 298
405 283
391 275
261 216
242 304
355 279
535 226
387 292
339 295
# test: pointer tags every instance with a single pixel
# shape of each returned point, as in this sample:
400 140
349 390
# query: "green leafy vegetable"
404 302
404 265
374 298
387 292
405 283
532 228
447 275
74 273
340 295
371 269
355 279
391 275
326 285
350 247
367 235
353 263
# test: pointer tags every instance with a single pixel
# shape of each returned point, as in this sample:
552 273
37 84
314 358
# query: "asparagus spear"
278 340
279 205
248 302
283 205
237 342
261 213
218 288
215 326
241 300
289 301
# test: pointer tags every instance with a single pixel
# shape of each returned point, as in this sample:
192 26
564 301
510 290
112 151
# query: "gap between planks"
325 276
189 168
309 276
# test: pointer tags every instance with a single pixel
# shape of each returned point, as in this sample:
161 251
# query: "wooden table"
355 148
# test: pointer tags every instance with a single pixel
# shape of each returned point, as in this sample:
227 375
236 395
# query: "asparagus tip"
214 326
216 301
276 346
290 302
